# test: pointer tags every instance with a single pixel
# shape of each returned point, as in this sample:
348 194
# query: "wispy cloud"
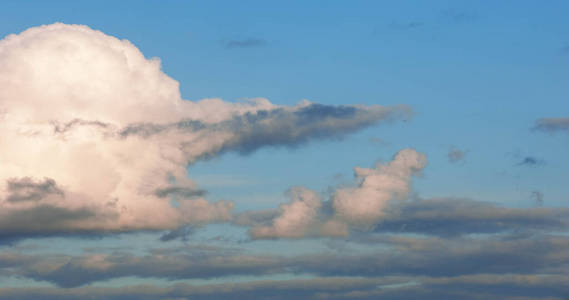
245 43
538 197
455 155
531 161
459 16
181 233
552 124
407 25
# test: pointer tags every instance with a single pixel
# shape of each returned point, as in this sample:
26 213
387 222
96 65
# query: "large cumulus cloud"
96 137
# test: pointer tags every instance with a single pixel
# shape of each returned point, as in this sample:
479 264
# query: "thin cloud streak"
246 43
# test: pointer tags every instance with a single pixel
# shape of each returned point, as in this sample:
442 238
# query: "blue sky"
478 77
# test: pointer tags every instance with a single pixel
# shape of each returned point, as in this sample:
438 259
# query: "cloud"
313 288
435 257
181 233
246 43
407 25
107 135
378 141
366 203
451 217
530 161
552 124
26 189
183 192
455 155
296 218
255 217
547 286
376 204
459 16
48 219
538 197
492 287
359 206
387 255
281 126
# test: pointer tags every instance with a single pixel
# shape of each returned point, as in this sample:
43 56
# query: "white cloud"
296 218
366 203
360 206
91 115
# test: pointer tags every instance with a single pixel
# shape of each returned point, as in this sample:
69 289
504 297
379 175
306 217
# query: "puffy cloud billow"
95 137
360 206
366 203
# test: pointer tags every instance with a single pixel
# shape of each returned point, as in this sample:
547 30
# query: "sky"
284 150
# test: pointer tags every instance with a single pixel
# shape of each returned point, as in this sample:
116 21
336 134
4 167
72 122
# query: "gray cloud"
531 161
443 258
550 286
246 43
317 288
281 127
492 287
378 141
149 129
455 155
397 256
313 121
255 217
27 189
179 191
79 270
181 233
46 220
61 128
449 217
538 197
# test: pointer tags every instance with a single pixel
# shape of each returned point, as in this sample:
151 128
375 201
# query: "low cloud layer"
428 258
108 136
491 287
451 217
